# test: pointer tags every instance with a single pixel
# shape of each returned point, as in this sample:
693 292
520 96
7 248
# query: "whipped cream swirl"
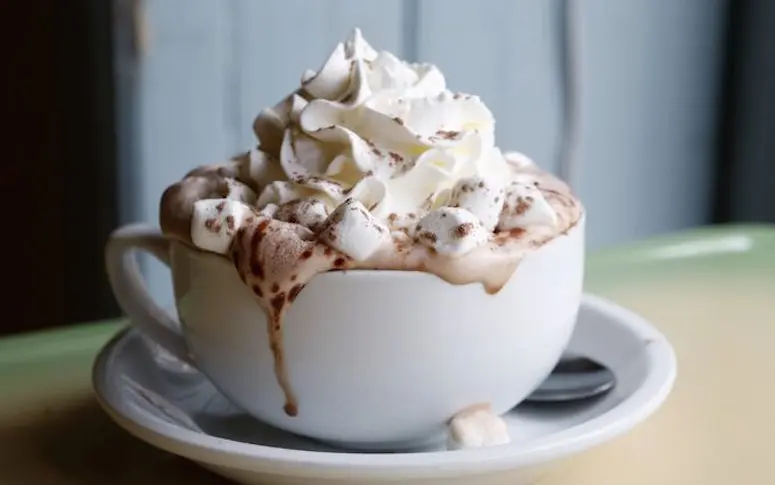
374 128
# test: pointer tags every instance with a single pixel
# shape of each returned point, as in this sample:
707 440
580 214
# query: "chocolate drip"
270 252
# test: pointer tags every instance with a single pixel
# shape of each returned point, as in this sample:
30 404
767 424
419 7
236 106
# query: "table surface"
711 290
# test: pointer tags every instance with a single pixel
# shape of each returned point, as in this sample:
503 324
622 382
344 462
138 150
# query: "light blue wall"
650 86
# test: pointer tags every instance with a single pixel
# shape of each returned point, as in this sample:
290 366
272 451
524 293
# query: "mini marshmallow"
354 231
269 210
405 222
477 427
310 213
451 231
215 222
525 206
483 198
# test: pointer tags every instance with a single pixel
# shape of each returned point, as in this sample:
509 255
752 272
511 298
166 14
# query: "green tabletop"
711 290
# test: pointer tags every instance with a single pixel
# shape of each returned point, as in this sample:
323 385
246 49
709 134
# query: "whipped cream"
370 126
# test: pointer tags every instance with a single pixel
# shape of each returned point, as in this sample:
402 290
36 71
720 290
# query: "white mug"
378 360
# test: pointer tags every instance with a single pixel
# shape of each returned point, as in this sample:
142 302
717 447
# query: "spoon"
574 377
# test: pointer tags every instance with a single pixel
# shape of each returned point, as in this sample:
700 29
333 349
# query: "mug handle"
131 292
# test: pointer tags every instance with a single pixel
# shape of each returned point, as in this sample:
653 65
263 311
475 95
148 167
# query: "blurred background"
111 101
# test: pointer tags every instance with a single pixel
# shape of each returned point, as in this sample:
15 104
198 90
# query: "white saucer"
176 409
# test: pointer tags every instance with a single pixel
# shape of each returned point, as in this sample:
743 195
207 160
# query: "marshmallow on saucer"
354 231
215 222
525 206
483 198
451 231
310 213
477 427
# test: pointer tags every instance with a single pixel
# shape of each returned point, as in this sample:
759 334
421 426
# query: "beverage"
372 164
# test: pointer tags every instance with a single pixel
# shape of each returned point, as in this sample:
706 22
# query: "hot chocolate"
372 163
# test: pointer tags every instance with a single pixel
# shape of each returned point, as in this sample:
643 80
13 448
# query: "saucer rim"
221 452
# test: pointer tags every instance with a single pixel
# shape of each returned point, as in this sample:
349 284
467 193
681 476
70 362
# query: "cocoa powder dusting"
464 229
522 205
448 134
428 235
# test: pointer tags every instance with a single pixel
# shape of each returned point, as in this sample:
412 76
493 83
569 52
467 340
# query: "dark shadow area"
745 178
59 168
